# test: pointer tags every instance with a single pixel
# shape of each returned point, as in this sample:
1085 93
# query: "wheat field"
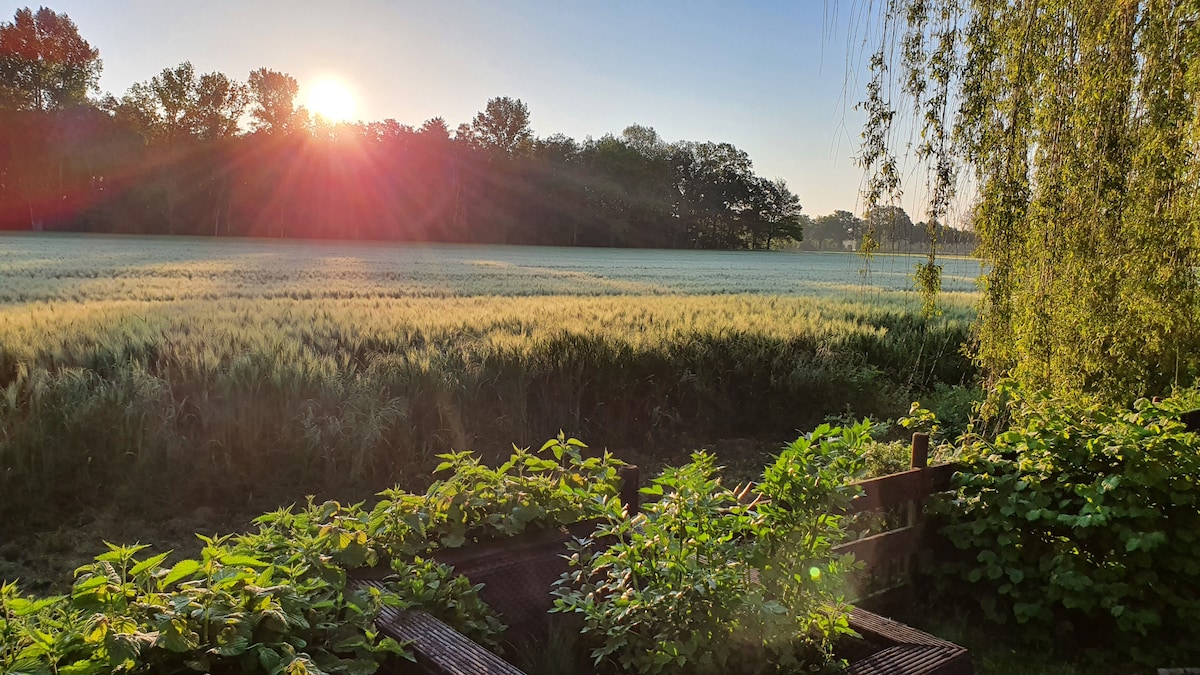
205 371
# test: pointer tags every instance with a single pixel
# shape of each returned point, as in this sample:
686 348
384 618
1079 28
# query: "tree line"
890 227
204 154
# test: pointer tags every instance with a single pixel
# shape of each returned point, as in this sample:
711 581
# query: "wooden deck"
439 649
906 650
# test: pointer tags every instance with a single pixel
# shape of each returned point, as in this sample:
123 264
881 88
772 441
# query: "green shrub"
1084 519
277 600
227 611
703 582
954 407
475 502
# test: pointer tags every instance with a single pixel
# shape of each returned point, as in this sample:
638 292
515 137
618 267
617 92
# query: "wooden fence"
897 524
890 554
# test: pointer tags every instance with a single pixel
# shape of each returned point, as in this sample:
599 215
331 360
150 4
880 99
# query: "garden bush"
705 582
1083 519
277 600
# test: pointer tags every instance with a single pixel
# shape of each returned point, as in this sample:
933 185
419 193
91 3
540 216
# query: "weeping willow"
1075 124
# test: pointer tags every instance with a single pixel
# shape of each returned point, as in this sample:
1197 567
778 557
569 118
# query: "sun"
331 100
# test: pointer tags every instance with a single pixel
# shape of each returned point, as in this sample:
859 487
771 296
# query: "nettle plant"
225 612
706 581
277 600
1085 518
555 486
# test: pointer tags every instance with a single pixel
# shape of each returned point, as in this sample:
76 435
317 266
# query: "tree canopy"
187 152
44 63
1077 122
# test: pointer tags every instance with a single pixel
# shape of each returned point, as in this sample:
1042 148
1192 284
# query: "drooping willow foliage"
1076 125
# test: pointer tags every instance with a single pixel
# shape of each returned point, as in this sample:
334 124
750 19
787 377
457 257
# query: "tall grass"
261 395
242 399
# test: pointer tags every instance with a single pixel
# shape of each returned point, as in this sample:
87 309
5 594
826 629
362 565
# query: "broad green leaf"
180 570
27 607
236 560
148 563
234 647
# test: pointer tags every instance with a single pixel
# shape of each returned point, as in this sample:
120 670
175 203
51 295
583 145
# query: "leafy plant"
435 588
704 581
226 611
1082 518
473 501
277 600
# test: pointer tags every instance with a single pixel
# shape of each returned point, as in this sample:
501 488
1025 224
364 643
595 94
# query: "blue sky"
771 77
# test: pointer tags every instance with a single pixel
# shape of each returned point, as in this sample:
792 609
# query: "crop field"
85 269
255 372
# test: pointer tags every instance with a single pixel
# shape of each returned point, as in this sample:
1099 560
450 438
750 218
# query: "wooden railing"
889 556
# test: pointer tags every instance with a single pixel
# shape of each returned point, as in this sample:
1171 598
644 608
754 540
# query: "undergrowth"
279 600
1080 521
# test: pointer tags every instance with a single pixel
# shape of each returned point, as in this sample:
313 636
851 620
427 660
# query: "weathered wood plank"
906 650
919 459
900 488
882 629
914 660
880 548
439 649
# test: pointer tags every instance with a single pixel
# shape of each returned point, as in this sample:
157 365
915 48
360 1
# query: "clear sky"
769 76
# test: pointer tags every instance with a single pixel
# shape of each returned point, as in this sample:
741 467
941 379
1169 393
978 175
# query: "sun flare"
331 100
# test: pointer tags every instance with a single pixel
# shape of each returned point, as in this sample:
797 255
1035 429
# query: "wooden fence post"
920 451
916 508
630 483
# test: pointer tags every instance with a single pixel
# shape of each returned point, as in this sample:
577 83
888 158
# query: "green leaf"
242 561
234 647
454 539
27 608
148 563
181 569
268 658
77 668
89 584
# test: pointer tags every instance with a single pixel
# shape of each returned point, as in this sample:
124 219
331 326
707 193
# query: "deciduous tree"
44 63
272 98
1078 121
503 126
